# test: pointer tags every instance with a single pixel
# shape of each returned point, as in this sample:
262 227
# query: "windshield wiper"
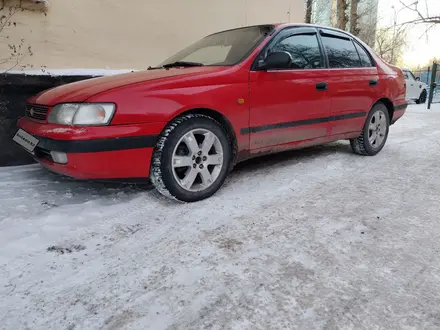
175 65
182 64
155 67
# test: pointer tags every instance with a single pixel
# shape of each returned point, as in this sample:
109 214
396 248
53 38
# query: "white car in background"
415 89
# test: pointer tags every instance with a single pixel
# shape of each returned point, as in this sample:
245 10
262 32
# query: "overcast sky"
421 47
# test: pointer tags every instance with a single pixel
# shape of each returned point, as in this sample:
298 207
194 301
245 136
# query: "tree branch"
8 18
421 18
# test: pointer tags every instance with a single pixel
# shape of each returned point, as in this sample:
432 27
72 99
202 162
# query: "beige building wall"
128 34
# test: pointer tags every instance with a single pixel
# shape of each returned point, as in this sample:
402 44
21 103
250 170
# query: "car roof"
279 26
284 25
319 26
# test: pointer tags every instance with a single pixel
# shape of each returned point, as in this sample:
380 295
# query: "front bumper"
105 152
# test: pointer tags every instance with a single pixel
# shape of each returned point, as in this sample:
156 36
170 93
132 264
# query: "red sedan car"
228 97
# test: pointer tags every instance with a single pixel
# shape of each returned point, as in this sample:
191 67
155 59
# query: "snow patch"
68 72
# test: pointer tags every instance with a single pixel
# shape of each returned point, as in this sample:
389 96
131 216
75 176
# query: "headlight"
82 114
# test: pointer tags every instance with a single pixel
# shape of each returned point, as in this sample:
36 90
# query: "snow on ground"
312 239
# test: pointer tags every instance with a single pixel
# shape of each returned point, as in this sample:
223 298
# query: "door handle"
373 82
322 86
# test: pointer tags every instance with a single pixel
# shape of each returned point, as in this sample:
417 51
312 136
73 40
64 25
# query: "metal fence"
426 76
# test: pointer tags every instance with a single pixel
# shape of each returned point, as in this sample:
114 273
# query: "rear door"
289 105
353 82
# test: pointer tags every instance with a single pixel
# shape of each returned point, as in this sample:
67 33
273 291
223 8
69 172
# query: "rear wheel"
423 97
191 159
375 132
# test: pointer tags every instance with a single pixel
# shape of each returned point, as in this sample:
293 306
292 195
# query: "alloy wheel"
377 129
197 160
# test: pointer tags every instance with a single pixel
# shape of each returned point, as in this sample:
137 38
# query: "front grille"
37 112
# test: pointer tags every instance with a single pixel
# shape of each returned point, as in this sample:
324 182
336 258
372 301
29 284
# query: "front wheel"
422 98
375 132
192 158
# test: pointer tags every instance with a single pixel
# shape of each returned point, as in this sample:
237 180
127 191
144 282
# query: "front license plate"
26 140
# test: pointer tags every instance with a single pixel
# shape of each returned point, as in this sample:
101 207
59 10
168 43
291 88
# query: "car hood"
82 90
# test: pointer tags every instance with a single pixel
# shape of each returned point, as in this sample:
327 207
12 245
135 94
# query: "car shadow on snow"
292 157
42 190
81 190
286 158
50 190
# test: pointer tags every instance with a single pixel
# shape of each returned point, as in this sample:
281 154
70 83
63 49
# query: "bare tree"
367 21
16 52
391 42
357 16
354 28
426 18
342 15
321 12
309 7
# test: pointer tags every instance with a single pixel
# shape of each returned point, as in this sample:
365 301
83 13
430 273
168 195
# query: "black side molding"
312 121
98 145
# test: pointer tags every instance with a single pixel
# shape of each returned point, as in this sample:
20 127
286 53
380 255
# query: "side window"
365 59
405 73
411 75
341 53
304 50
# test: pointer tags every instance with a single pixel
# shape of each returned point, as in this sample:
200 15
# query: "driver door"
290 105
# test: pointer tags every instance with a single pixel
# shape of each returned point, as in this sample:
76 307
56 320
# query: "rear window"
365 58
341 53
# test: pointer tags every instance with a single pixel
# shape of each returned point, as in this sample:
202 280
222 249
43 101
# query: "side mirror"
276 60
418 78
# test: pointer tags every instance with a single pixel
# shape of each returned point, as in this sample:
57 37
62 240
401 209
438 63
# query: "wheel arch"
222 120
389 104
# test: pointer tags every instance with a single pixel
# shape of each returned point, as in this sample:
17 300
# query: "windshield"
223 48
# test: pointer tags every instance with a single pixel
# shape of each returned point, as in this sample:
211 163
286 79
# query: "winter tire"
191 159
375 132
422 98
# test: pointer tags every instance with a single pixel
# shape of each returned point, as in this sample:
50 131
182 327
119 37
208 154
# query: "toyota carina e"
228 97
